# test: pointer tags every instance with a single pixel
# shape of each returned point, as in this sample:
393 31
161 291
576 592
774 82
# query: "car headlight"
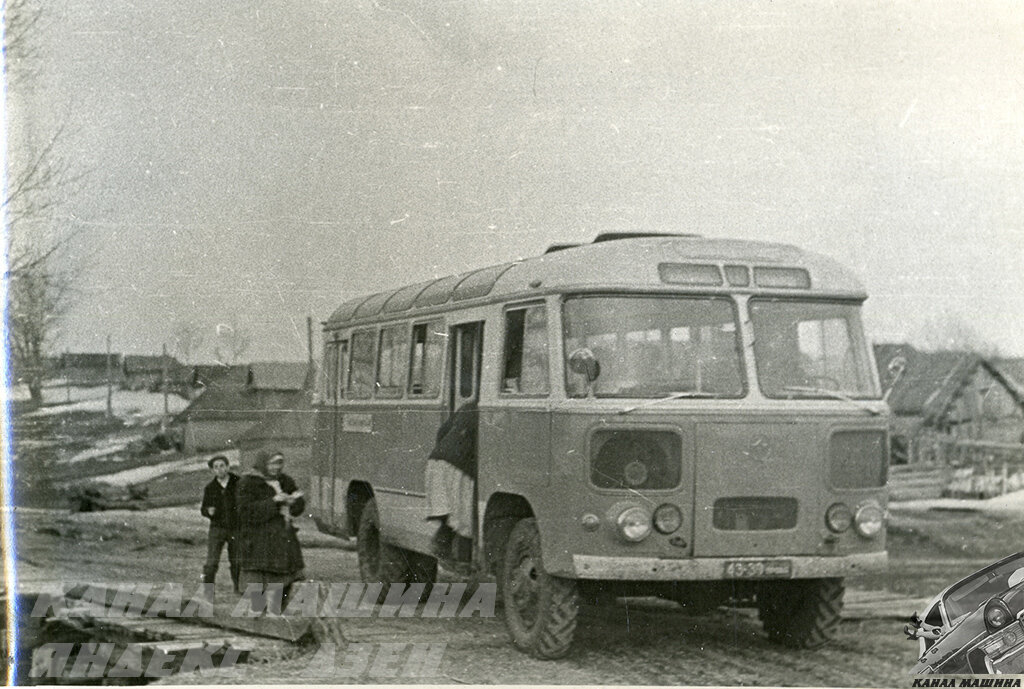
838 517
869 519
634 524
997 615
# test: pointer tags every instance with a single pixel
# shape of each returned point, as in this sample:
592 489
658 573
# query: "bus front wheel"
540 609
801 613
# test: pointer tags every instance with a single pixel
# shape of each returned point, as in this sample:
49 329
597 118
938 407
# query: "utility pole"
309 339
110 383
67 378
163 387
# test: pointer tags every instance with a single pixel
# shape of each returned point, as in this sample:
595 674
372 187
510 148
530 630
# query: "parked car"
975 626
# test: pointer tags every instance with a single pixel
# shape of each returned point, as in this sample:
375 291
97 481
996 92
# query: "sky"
252 164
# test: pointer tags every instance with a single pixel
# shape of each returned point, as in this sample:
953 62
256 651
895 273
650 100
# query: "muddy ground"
631 642
636 642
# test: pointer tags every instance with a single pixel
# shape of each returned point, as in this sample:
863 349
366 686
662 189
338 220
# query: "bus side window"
525 369
426 359
391 361
360 380
340 368
331 374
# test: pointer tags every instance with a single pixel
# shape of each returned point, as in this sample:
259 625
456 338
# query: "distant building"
88 369
146 372
238 399
953 395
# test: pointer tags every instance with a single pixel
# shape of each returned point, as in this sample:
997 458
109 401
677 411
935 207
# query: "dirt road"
634 642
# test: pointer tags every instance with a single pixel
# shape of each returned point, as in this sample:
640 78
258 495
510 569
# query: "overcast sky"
258 162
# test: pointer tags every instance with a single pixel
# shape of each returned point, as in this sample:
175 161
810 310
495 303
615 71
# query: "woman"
268 547
451 481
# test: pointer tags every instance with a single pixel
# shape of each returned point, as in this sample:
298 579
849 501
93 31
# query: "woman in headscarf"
268 548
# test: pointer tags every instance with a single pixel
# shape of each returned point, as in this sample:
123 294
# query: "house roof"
279 375
210 374
147 363
232 392
88 360
932 380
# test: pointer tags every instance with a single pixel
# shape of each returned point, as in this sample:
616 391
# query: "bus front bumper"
718 568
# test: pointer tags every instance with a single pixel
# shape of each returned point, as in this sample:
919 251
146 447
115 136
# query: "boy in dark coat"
269 549
219 507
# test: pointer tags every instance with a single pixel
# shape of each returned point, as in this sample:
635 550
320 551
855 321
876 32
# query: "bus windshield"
649 346
811 349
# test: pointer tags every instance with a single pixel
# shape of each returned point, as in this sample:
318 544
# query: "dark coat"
456 440
266 542
223 499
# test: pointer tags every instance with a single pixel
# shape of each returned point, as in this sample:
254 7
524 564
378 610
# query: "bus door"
340 364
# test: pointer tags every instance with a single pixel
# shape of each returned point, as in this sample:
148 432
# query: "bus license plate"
758 569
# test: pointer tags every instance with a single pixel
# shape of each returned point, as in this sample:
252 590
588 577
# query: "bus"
693 418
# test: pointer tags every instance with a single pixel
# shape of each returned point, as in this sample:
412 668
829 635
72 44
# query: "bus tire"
802 613
540 609
378 561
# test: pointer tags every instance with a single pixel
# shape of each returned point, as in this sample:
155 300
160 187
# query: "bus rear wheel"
802 613
382 562
540 609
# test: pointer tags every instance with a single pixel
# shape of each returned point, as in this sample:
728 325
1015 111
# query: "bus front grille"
754 514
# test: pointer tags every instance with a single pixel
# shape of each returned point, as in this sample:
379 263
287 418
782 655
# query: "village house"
957 424
950 395
146 372
236 401
90 369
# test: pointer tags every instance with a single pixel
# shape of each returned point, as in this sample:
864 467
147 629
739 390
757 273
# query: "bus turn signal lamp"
869 519
838 517
997 615
634 524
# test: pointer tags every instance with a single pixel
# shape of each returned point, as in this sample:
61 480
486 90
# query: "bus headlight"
838 517
634 524
667 518
869 519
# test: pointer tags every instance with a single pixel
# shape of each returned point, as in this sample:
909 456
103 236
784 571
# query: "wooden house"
949 397
240 398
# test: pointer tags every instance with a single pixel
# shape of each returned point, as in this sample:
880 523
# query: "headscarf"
259 465
262 459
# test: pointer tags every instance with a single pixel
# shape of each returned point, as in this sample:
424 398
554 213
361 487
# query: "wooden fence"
958 468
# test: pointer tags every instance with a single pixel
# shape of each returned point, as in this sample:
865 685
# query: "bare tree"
38 290
232 343
949 332
186 340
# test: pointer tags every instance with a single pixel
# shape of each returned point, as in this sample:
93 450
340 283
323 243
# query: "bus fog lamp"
838 517
869 520
667 519
634 524
590 522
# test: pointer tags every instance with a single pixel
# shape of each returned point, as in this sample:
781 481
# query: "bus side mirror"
584 362
896 369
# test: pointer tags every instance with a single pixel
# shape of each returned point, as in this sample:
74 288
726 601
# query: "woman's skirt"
450 493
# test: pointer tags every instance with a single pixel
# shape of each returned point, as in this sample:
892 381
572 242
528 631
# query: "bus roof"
646 263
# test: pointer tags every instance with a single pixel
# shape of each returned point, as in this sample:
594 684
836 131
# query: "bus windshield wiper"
834 394
683 394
